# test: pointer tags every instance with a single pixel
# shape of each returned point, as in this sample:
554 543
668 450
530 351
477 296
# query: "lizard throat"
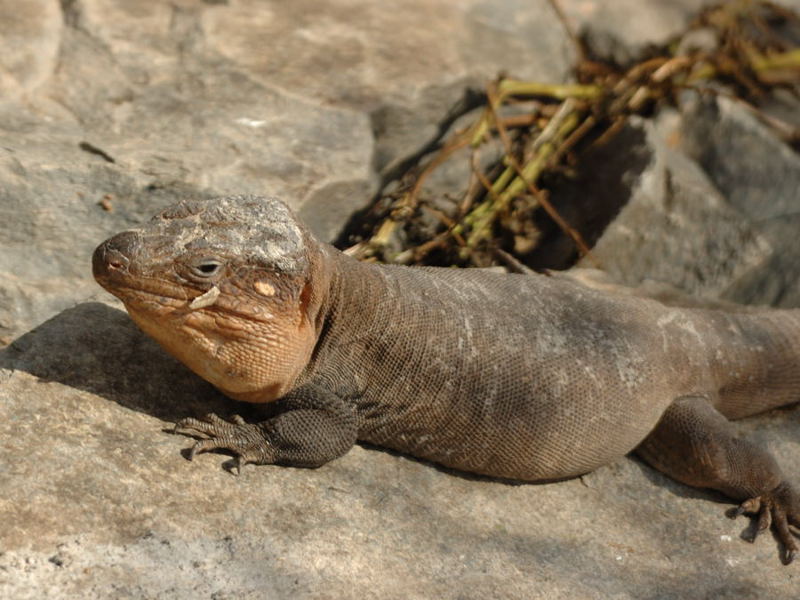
247 359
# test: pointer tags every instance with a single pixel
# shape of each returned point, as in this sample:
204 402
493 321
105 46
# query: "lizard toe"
778 509
205 427
248 442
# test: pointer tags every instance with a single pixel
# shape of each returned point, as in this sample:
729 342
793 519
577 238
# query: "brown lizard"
525 377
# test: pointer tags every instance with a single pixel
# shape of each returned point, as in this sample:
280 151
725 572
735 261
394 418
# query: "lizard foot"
248 442
780 507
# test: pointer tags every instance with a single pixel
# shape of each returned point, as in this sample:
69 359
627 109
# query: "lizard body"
516 376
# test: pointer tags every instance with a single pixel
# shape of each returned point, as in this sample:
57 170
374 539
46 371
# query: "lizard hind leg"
694 444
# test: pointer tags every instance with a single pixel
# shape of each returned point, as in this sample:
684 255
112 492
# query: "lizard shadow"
96 348
728 506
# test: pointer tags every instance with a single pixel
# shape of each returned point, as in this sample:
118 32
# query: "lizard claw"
248 442
777 508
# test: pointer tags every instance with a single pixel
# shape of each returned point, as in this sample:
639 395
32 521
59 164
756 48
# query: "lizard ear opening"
310 304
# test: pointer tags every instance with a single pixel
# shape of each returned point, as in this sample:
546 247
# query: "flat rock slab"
98 502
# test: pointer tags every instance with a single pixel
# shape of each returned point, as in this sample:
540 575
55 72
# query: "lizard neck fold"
348 304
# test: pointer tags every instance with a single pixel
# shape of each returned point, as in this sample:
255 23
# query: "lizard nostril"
114 263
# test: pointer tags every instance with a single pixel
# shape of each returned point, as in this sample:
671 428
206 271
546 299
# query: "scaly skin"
516 376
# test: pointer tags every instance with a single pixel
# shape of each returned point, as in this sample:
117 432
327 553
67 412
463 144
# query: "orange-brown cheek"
193 350
253 361
264 367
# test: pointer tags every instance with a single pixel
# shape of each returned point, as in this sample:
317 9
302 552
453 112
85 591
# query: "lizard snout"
114 255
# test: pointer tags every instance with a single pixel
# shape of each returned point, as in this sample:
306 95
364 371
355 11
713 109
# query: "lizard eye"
207 267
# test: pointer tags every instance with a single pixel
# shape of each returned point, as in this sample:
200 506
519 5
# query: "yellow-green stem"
483 216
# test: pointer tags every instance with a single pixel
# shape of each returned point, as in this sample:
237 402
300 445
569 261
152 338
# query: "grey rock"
494 33
698 40
621 30
677 228
759 176
31 35
784 108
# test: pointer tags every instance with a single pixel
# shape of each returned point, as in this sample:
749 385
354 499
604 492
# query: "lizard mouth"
155 291
115 268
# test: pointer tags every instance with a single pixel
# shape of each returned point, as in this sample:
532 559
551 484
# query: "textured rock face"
622 29
723 138
711 205
112 109
674 218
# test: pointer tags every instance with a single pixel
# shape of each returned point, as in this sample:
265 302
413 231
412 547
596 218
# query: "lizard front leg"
697 445
315 428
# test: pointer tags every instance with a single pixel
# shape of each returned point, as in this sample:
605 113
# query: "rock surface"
112 109
723 137
674 218
621 30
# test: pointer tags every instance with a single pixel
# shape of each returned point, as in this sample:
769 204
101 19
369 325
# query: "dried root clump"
532 132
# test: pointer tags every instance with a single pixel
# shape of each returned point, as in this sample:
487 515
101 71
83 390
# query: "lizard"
520 377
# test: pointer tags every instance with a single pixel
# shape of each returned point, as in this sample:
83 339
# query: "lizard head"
232 287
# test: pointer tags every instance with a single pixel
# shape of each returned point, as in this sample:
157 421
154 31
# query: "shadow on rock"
675 487
97 348
748 525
